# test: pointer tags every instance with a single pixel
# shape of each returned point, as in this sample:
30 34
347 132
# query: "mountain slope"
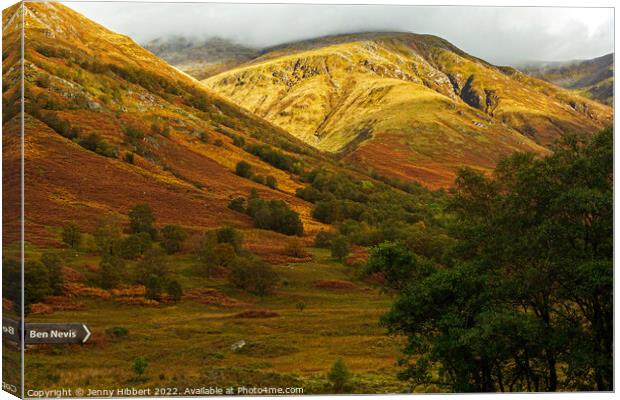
201 58
108 125
406 105
592 78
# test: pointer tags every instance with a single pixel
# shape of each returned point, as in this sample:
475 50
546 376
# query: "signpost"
50 333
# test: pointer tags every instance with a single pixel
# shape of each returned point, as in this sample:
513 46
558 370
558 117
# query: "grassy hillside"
591 78
406 105
132 128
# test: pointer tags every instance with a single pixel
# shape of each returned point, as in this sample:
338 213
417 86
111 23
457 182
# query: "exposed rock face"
470 94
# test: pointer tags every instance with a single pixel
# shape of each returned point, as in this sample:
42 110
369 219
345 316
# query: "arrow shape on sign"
87 333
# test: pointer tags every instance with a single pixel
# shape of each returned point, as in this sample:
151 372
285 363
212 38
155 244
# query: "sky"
500 35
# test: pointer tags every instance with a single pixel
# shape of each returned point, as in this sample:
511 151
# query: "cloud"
501 35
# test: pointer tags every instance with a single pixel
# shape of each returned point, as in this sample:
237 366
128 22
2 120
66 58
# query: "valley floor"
188 345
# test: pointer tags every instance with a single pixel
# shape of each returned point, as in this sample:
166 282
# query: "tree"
294 248
339 375
172 238
175 291
139 366
231 236
301 306
253 275
135 245
108 234
323 239
71 235
53 263
243 169
141 219
340 248
153 263
529 286
397 264
36 283
153 287
111 270
12 282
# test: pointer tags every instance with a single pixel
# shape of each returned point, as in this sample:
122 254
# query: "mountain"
592 78
109 125
405 105
201 58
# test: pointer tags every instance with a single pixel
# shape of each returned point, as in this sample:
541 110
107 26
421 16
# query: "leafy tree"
175 291
173 237
243 169
108 235
397 264
275 215
231 236
339 376
153 287
36 283
295 248
340 248
141 219
529 288
97 144
53 263
253 275
71 235
153 263
11 282
135 245
111 270
323 239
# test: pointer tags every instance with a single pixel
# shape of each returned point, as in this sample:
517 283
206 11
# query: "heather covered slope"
109 125
405 105
591 78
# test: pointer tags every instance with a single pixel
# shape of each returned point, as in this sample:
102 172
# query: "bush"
294 248
340 248
253 275
275 215
243 169
172 238
271 182
135 245
108 234
53 263
129 158
231 236
153 287
175 291
154 263
339 376
36 283
323 239
141 219
139 366
97 144
110 272
71 235
237 204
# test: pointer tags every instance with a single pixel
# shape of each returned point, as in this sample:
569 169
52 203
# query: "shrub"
271 182
53 263
141 219
237 204
175 291
36 283
243 169
135 245
71 235
110 272
154 263
340 248
118 332
108 235
323 239
275 215
129 158
231 236
172 238
339 376
253 275
295 248
139 366
153 287
97 144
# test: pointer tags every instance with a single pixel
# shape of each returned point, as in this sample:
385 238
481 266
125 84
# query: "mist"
500 35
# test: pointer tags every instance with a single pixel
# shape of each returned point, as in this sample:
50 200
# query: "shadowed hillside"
405 105
592 78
